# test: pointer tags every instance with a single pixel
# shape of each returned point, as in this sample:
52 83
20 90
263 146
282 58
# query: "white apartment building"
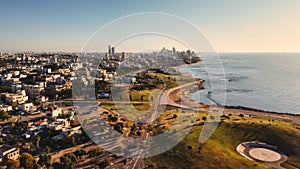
14 99
28 107
5 108
53 111
8 152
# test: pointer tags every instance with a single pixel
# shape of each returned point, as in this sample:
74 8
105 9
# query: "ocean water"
266 81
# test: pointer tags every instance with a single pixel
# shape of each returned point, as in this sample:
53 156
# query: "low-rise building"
14 99
53 111
33 90
46 70
5 108
8 152
42 99
28 107
59 124
16 87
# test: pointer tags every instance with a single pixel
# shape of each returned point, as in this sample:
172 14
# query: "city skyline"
231 26
149 84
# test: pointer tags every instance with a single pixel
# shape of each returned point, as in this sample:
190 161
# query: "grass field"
173 80
220 150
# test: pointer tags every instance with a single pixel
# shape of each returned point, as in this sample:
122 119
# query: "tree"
133 128
80 152
4 89
72 157
174 116
102 164
11 139
114 119
26 161
3 115
119 127
57 165
44 159
36 166
73 141
47 149
67 161
12 164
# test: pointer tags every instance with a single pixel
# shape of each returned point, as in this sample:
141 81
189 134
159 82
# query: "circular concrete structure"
263 154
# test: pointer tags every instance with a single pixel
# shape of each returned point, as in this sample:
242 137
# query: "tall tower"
113 50
109 49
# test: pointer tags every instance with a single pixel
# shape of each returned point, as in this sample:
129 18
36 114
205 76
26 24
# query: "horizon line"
37 51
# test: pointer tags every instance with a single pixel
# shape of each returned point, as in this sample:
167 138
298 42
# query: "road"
30 117
156 113
170 102
139 162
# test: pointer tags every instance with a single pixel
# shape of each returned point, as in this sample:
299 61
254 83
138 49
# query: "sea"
263 81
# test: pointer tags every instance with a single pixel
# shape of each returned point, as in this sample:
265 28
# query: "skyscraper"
109 49
113 50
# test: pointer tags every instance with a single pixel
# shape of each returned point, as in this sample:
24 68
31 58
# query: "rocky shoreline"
181 95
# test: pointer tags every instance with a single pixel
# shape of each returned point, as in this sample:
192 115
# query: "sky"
230 26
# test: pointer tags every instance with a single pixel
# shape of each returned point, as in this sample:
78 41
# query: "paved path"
225 110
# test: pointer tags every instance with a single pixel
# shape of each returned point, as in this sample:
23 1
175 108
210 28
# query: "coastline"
181 95
186 65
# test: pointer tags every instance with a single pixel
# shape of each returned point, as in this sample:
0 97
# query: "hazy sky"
231 25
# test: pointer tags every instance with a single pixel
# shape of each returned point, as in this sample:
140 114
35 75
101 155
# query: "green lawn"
173 80
219 151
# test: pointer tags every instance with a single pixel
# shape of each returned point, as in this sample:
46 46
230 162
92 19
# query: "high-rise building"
109 49
113 50
123 55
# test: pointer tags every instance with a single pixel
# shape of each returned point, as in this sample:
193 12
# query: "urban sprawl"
39 123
